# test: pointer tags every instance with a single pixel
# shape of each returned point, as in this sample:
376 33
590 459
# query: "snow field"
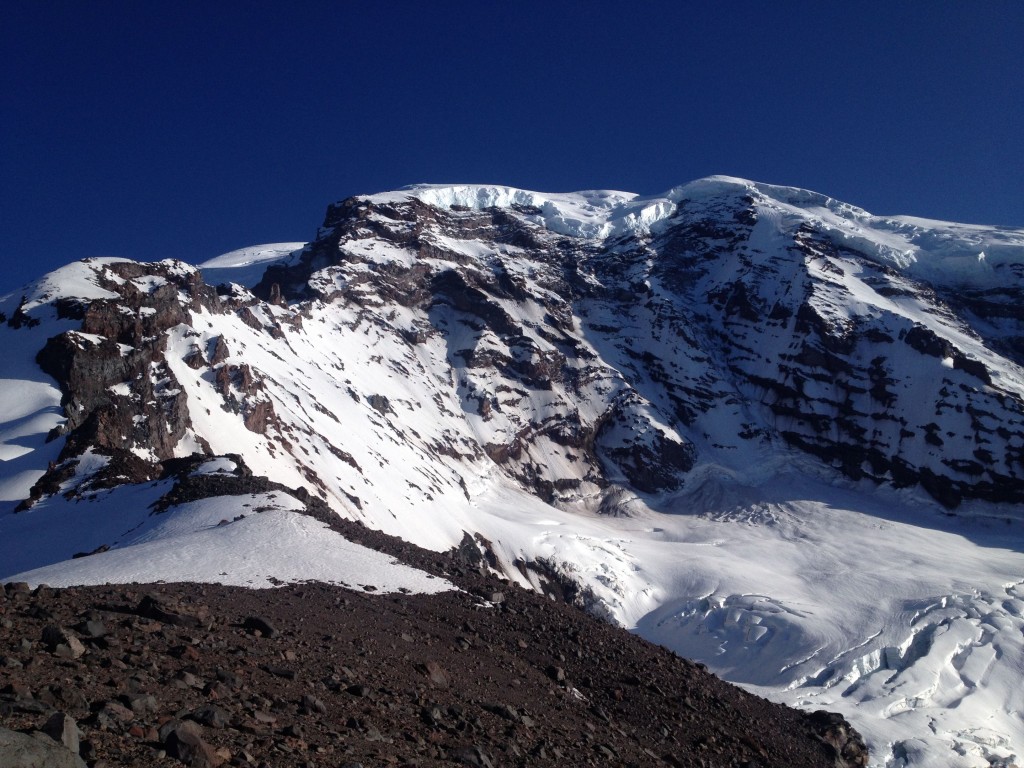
254 540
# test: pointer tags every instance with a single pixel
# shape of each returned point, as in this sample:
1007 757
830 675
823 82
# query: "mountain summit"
760 426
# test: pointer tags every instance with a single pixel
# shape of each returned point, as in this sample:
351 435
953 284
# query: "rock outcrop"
733 327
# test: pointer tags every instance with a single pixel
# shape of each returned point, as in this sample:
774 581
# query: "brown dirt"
352 678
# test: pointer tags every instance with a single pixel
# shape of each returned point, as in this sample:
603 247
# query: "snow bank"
246 266
253 541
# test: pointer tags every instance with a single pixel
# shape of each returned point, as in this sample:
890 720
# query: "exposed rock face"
120 397
719 322
112 369
737 327
502 360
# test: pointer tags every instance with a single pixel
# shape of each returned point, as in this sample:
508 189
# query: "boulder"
64 730
20 750
152 607
212 717
261 625
184 741
62 643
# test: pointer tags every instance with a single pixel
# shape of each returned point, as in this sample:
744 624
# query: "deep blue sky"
186 129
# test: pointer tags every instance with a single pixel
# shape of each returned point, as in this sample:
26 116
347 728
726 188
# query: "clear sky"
187 129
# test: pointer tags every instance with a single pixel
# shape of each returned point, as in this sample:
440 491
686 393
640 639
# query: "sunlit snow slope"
763 427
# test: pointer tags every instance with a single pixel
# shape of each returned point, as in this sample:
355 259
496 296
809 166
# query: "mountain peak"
728 416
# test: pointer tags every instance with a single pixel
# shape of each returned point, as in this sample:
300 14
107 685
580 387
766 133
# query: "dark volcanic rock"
64 730
118 392
185 742
401 679
261 625
61 642
152 607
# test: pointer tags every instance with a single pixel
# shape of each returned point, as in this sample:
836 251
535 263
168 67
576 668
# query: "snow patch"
245 266
254 541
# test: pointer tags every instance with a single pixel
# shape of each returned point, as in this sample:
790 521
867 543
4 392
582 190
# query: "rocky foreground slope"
315 675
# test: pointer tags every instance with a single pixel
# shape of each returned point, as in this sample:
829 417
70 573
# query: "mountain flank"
759 426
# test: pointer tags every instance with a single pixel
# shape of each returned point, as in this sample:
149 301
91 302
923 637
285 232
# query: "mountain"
757 425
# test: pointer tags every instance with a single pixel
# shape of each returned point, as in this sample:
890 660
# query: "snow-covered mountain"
760 426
